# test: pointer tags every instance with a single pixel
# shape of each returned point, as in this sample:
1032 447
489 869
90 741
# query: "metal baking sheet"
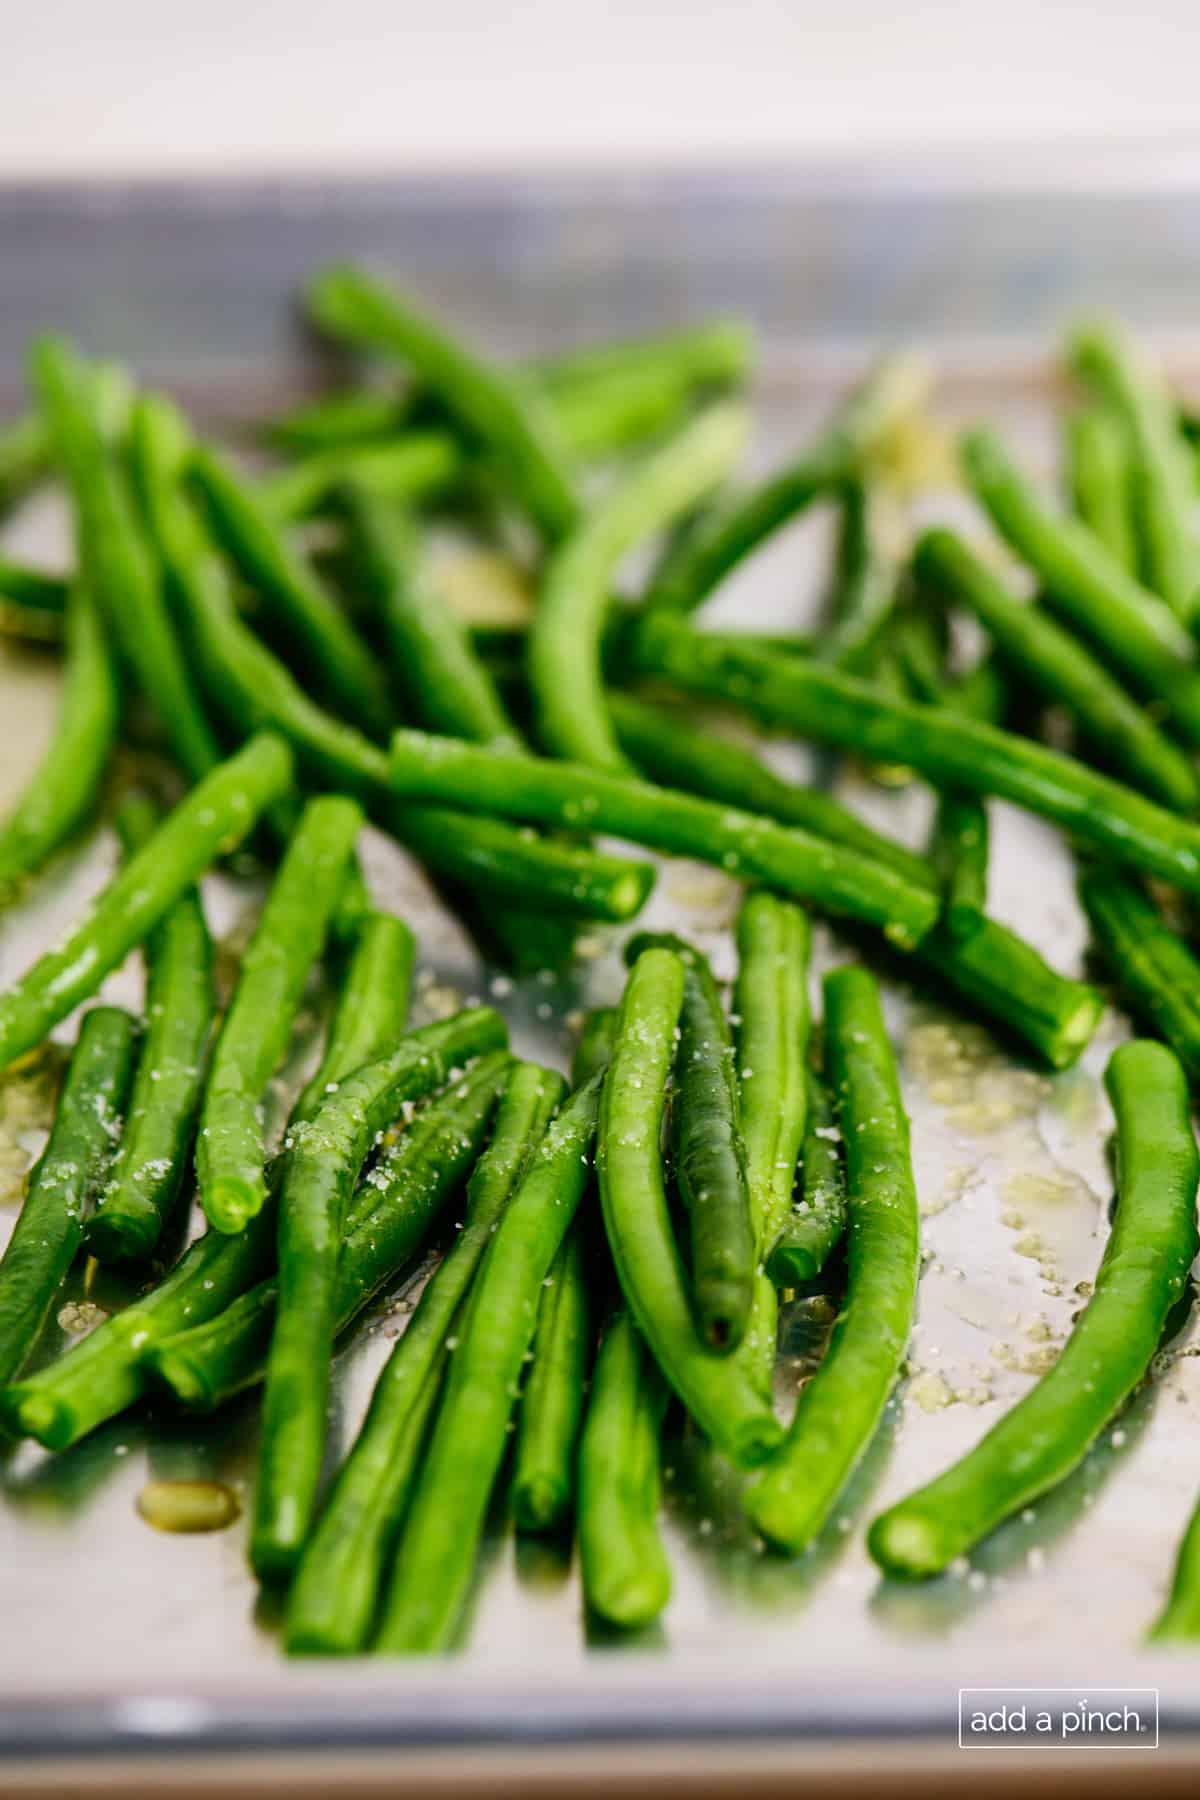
119 1638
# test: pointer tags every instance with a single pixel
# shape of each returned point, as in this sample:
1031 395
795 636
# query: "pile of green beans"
262 674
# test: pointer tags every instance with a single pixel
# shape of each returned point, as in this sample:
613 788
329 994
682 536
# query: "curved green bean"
841 1406
494 779
816 1225
508 417
948 748
437 1551
626 1576
1143 1272
1155 970
230 1156
1131 627
65 1180
708 1154
1099 480
212 820
1118 729
1160 465
324 1157
112 555
565 636
64 787
336 1589
733 528
148 1169
371 1006
717 1391
771 1002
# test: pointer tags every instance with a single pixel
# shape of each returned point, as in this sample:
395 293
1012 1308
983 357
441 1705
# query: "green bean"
1179 1620
817 1223
718 1392
841 1406
626 1576
543 1483
1156 971
335 1591
65 1180
1118 728
324 1157
112 555
1131 627
1161 472
715 353
64 787
494 779
864 590
213 819
1099 480
287 583
26 455
147 1173
507 417
771 1002
400 472
605 415
437 1551
565 637
443 682
390 1214
596 1039
681 756
287 941
341 420
1144 1271
253 686
948 749
371 1005
708 1154
35 591
738 526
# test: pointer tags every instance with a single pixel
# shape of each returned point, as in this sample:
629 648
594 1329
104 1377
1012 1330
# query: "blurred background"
129 87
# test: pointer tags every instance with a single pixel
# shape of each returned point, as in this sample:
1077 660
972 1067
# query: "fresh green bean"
306 611
26 455
1131 627
371 1006
865 586
324 1157
1179 1620
1143 1273
148 1169
817 1223
401 472
442 681
340 420
211 820
494 779
565 637
626 1576
1156 971
841 1406
112 555
509 418
948 749
543 1484
65 1180
717 1391
34 590
438 1546
1099 480
594 1050
230 1156
733 529
252 686
715 353
771 1002
1118 728
64 787
679 755
708 1154
1160 466
334 1595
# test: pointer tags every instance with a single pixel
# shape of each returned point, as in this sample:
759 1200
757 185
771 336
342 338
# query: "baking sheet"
118 1635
